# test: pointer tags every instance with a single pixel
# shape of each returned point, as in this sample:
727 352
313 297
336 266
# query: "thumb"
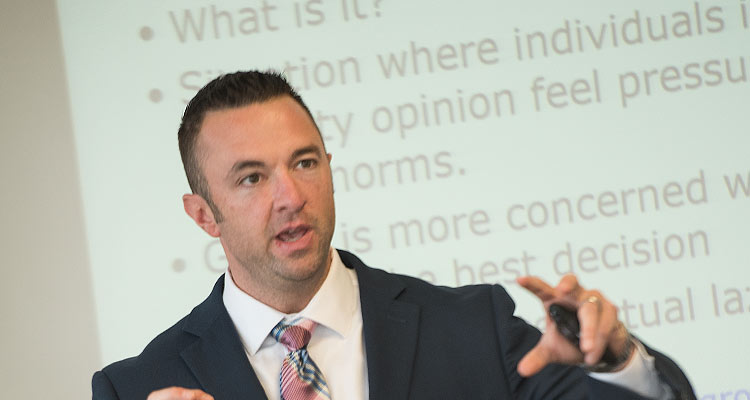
533 362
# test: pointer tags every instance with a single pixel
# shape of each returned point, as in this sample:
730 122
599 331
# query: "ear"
197 208
330 156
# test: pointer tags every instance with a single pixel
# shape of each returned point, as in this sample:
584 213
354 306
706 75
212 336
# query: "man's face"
270 178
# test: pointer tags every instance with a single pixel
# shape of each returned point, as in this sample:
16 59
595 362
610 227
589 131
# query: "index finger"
538 287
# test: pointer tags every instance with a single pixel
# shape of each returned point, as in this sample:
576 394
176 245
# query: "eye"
250 180
307 163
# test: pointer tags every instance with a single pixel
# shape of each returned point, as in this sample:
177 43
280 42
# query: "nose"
287 196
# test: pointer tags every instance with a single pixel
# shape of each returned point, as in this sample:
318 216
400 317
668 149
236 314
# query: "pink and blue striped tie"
300 378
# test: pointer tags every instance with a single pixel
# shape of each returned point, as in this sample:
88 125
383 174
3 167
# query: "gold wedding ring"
593 300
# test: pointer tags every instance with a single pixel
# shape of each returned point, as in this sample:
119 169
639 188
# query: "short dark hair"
228 91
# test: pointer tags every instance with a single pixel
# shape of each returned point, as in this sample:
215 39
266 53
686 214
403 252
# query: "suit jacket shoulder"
202 351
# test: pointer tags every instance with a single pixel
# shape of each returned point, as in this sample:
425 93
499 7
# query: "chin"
305 268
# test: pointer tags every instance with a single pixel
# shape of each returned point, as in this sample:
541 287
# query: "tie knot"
295 334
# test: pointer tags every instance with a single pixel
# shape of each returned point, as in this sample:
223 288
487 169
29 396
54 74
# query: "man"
261 183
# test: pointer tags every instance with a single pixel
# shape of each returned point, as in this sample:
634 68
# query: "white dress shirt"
337 344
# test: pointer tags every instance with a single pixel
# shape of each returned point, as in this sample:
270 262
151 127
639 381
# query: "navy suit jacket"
421 341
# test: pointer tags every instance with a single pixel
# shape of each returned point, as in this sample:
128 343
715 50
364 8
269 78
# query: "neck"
285 295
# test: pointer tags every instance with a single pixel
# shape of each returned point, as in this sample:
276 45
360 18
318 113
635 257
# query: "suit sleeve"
101 387
671 374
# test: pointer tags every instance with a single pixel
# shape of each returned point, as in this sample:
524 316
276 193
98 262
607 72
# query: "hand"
179 393
600 328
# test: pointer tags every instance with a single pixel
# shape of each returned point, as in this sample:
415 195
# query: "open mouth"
293 234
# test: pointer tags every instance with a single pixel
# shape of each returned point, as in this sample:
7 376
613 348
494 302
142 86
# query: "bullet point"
147 33
155 95
216 261
178 265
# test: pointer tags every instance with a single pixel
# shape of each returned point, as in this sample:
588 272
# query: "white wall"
49 340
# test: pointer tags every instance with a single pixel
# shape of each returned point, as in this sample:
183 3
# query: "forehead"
273 126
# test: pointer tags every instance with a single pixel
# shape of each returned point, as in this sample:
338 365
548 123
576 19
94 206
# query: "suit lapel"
390 331
217 358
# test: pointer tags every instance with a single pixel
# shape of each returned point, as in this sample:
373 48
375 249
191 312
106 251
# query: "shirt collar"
337 300
333 306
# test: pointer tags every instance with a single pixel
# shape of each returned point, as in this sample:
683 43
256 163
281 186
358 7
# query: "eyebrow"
306 150
240 165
